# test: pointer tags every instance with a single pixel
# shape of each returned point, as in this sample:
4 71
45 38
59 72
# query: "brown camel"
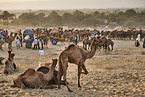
12 38
110 42
9 66
35 79
76 55
105 43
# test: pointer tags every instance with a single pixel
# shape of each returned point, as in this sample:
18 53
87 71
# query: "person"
38 40
42 42
20 34
144 43
35 44
77 38
41 52
18 42
137 44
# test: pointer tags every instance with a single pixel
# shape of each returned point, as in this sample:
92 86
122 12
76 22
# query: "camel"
105 43
35 79
46 39
110 42
76 55
45 70
9 66
12 38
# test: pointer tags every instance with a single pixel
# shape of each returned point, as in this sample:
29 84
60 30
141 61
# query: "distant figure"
137 44
35 44
144 43
42 43
41 52
20 34
138 37
18 42
38 40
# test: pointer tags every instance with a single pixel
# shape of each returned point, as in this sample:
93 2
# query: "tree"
54 19
78 17
130 12
67 18
6 17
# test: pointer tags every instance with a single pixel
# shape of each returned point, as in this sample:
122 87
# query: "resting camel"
76 55
9 66
35 79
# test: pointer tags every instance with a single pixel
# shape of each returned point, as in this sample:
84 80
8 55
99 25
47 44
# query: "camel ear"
54 59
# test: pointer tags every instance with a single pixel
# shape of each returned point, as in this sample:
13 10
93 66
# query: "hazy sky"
70 4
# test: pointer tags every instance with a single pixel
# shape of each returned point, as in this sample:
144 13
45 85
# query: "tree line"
129 18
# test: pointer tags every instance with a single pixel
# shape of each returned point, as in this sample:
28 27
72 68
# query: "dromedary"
9 66
105 43
12 38
35 79
76 55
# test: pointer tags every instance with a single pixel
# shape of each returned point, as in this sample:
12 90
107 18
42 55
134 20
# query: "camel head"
54 62
8 67
95 43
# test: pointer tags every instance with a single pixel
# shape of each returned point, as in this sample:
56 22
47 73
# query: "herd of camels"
48 77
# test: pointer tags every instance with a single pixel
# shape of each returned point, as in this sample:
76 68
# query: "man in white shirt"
35 44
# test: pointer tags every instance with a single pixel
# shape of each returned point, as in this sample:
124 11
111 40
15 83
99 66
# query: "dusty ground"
120 72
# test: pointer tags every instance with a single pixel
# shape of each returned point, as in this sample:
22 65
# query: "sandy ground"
120 72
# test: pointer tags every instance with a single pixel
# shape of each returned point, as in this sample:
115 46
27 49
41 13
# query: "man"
35 44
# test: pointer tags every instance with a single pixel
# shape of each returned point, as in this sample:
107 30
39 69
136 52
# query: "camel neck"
49 75
92 52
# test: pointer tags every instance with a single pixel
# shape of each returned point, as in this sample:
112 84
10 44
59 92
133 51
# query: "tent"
28 32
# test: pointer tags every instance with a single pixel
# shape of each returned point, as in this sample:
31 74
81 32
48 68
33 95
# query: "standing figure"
20 34
35 44
18 42
42 42
38 40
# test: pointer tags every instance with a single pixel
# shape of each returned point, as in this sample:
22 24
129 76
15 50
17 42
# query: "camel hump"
29 71
43 69
71 45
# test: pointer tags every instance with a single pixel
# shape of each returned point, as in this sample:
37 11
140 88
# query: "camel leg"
84 68
65 64
80 67
79 74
